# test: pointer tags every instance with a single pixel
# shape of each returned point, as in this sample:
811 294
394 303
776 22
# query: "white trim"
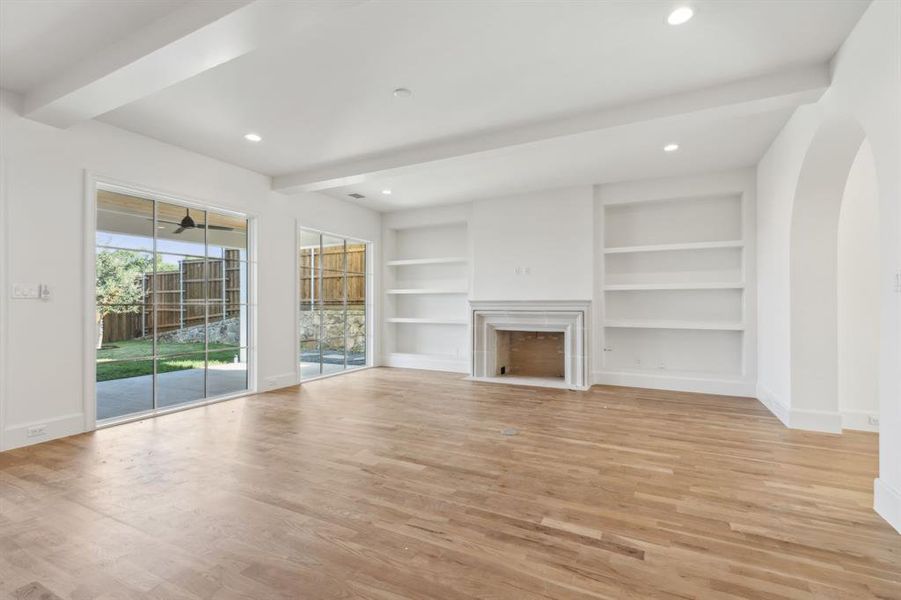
5 249
724 387
795 418
89 330
815 420
887 502
860 420
59 427
89 302
773 403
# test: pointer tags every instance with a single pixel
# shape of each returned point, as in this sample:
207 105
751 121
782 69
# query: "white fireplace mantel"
571 317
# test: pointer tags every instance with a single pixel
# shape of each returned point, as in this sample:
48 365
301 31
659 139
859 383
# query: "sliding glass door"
172 304
333 304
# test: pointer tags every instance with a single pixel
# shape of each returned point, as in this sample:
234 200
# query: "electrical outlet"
271 383
637 362
873 420
661 366
36 431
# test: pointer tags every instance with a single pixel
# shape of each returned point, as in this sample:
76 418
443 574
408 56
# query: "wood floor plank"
391 484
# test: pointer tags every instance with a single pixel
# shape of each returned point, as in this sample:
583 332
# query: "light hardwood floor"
389 484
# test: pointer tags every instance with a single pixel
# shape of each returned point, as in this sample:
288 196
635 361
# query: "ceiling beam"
188 41
747 96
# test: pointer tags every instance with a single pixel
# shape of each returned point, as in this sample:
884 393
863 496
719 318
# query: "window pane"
227 325
310 289
124 221
310 320
333 254
310 243
124 331
180 230
180 379
309 359
356 288
227 372
123 387
122 276
226 236
180 329
356 257
332 355
332 292
356 335
236 282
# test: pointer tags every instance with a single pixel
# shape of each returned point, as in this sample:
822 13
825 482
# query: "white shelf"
446 260
676 247
659 324
425 291
427 321
674 286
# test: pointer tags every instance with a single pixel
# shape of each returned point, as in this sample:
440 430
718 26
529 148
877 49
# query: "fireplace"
531 343
530 354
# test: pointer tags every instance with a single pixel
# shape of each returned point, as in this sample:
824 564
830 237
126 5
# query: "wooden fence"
322 276
181 298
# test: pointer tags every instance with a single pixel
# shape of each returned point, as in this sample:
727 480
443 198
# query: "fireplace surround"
569 317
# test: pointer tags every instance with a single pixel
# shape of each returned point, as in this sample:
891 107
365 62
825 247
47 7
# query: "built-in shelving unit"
674 290
427 278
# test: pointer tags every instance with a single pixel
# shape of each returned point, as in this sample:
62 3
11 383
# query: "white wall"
858 295
548 233
44 183
866 88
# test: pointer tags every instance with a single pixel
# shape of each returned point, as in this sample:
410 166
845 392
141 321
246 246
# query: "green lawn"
133 351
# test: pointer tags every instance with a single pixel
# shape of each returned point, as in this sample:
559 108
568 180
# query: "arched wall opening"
859 295
814 274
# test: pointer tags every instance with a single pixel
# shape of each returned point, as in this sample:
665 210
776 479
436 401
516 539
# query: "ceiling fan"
188 223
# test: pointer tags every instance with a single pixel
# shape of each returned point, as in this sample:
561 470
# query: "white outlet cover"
26 291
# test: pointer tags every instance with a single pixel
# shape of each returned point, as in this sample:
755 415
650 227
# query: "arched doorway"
814 274
859 263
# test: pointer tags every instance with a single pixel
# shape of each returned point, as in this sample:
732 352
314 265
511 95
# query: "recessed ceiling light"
402 93
386 192
681 15
671 147
253 137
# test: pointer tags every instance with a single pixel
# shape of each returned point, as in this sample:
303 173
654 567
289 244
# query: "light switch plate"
26 291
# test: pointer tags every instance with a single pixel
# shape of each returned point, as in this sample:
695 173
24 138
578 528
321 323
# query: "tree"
119 289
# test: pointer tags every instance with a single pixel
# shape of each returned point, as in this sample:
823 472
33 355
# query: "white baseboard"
275 382
794 418
725 387
887 502
426 362
17 435
774 404
815 420
860 420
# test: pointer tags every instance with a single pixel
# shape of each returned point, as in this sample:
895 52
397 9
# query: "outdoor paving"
119 397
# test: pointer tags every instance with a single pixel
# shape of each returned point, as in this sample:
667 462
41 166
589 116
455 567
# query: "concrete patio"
119 397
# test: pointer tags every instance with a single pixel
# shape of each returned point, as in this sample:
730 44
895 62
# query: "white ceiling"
321 96
40 38
618 154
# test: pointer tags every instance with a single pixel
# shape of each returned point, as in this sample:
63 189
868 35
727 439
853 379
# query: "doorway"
171 304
